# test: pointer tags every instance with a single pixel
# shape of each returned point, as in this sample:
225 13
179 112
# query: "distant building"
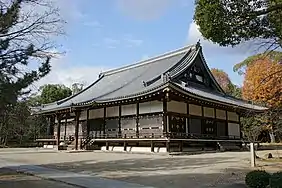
167 101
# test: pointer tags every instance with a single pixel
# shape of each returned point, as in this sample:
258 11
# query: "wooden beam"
77 114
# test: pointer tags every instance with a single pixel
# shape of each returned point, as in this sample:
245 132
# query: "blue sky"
105 34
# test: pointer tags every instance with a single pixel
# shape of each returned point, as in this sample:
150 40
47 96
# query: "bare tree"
28 31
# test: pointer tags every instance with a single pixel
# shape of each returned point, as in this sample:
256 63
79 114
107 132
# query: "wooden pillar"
226 122
165 123
66 122
119 120
203 121
107 145
87 122
77 114
181 146
168 145
152 146
51 125
137 120
104 122
58 129
240 128
215 122
124 146
187 119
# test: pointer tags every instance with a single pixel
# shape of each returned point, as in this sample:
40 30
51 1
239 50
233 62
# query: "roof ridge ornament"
166 76
198 45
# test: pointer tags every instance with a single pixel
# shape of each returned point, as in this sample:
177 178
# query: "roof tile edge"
149 60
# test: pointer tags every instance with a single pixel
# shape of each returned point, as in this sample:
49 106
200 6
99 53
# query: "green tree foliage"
273 56
230 22
76 87
20 126
53 92
257 179
26 37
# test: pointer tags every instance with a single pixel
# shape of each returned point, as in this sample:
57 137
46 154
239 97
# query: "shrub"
257 179
276 180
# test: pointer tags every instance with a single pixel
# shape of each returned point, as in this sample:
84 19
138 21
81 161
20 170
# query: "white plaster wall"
195 110
178 107
96 113
220 114
63 120
83 115
150 107
232 116
128 109
209 112
233 129
112 111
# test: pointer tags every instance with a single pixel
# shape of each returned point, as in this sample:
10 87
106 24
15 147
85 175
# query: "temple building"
168 102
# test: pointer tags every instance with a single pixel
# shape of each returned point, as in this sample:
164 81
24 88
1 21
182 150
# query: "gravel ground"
204 170
11 179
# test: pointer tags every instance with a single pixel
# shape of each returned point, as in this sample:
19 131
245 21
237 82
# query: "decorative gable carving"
197 75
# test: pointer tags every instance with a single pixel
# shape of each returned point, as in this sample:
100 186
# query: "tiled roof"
141 78
217 97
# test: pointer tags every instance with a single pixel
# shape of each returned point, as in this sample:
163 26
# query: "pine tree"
24 39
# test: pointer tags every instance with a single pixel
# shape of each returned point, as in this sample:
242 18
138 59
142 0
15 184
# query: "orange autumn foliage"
263 82
222 78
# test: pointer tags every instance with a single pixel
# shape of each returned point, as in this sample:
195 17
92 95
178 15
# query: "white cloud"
111 43
132 42
69 9
62 73
144 9
93 24
126 41
243 49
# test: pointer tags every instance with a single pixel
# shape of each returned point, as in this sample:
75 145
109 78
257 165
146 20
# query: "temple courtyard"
108 169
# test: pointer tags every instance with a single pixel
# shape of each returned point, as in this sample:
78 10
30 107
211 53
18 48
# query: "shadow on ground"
12 179
164 172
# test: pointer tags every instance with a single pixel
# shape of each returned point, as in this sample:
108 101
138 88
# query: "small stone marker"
253 156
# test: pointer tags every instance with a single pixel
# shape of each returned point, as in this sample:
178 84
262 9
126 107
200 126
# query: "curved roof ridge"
149 60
